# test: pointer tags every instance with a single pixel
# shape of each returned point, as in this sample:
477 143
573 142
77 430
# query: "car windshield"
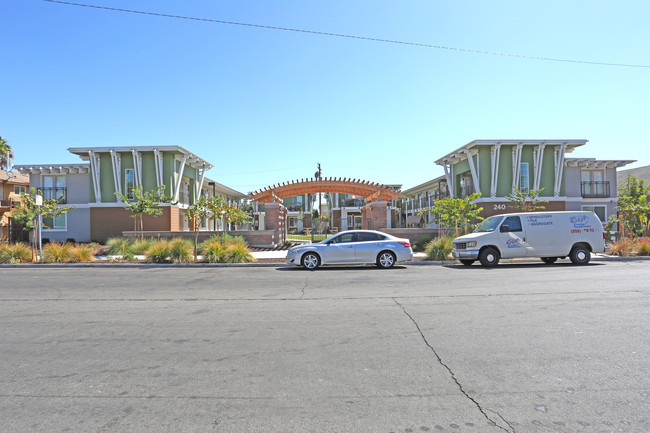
488 225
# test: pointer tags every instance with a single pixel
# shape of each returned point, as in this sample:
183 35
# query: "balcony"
466 191
55 193
594 189
351 203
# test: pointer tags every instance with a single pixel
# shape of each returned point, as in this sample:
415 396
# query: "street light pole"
214 194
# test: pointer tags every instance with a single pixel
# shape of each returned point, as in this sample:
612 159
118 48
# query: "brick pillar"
374 215
275 218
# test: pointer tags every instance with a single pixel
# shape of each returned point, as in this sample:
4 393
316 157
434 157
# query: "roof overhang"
223 189
461 153
192 159
597 163
53 168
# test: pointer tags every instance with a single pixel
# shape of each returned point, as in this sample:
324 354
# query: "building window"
53 187
600 211
524 178
20 189
57 223
129 183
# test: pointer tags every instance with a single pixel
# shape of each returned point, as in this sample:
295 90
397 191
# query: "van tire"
489 257
549 260
580 255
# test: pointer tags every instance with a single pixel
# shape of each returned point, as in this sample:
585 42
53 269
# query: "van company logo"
580 222
513 243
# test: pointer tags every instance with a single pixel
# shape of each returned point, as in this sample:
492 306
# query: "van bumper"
462 255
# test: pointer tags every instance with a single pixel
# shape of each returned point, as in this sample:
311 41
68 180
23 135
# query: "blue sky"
264 106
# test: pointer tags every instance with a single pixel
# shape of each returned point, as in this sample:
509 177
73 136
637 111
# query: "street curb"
595 258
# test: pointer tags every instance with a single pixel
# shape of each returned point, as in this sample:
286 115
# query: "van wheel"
580 255
467 262
549 260
489 257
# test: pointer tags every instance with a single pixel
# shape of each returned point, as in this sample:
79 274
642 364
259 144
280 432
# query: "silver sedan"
352 247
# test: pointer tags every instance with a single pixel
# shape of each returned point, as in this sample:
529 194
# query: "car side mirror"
504 228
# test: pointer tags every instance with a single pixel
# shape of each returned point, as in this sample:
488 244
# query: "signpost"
39 203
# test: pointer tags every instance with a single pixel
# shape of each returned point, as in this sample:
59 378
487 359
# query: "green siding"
504 183
548 173
148 171
106 178
485 170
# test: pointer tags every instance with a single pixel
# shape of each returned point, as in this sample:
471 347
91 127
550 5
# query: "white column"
177 188
516 165
158 160
473 170
449 175
538 160
200 176
116 161
495 153
559 168
94 170
137 168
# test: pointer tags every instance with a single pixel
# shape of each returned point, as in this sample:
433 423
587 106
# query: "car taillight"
405 244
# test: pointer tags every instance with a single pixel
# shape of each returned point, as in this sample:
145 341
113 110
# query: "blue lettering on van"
513 243
580 221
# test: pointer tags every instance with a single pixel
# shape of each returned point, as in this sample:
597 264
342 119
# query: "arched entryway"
372 204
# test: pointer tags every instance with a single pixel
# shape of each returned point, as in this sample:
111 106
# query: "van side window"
513 223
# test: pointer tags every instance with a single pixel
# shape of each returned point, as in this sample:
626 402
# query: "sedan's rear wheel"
310 261
386 259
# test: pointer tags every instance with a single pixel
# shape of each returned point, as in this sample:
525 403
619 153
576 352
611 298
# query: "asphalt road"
518 348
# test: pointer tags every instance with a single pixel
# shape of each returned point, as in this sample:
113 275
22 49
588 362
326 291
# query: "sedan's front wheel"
385 259
310 261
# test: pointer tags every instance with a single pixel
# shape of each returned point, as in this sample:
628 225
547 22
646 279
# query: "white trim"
116 162
558 154
473 170
95 163
495 154
516 165
538 160
449 177
158 160
198 185
137 167
177 188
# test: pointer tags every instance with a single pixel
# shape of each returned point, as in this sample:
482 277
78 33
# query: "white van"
547 235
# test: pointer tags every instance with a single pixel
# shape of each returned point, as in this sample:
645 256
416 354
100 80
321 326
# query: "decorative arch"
370 190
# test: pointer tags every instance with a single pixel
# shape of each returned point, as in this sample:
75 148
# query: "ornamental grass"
16 253
440 248
56 252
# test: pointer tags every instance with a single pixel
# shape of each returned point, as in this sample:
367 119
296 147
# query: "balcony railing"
55 193
351 203
594 189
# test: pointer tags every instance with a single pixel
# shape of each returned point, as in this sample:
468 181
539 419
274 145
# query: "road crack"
509 428
302 291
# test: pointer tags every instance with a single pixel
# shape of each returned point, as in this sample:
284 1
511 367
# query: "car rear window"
369 237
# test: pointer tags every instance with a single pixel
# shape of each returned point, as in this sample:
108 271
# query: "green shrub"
17 253
238 253
181 250
213 251
421 243
56 252
140 246
158 252
83 253
440 248
643 247
119 246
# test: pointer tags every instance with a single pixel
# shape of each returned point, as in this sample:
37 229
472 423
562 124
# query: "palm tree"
6 154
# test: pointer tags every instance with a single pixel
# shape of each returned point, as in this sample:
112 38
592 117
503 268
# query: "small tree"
27 212
526 201
144 202
216 207
198 212
456 212
633 206
237 216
